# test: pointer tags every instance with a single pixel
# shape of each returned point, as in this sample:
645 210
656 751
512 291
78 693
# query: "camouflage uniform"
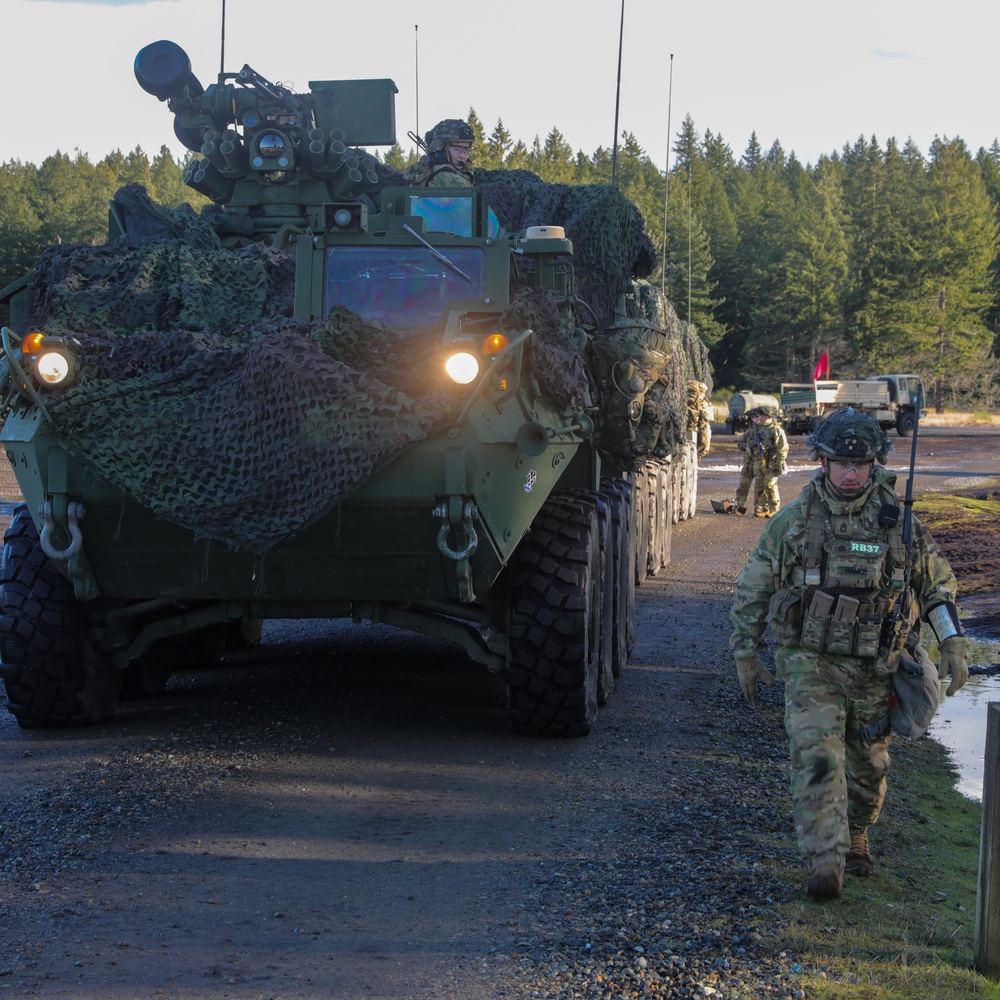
425 173
838 778
766 448
434 169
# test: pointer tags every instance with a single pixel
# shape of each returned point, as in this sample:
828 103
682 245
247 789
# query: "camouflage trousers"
838 781
765 485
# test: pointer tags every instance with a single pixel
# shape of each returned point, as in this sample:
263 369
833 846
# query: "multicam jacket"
423 173
819 543
768 444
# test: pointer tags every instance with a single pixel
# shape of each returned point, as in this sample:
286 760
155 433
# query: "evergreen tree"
498 145
556 163
960 243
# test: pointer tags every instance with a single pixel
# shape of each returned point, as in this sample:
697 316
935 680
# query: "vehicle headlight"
462 367
55 365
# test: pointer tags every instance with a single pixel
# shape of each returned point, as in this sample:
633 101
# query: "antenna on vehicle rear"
222 47
618 92
416 73
666 180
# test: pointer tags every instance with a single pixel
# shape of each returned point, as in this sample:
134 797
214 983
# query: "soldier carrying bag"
916 694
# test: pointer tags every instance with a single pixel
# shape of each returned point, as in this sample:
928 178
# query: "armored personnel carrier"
456 411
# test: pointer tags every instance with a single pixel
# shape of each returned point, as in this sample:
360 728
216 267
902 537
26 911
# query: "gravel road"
343 813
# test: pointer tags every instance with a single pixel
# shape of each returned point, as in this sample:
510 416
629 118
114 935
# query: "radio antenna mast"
222 54
618 92
666 180
416 72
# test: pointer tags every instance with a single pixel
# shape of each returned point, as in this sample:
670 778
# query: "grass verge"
908 931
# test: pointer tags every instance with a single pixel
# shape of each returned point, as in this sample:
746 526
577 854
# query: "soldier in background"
826 576
699 416
446 162
765 449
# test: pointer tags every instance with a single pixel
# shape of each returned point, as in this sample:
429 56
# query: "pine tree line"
884 258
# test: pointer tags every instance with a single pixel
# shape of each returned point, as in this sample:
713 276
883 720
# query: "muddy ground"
344 813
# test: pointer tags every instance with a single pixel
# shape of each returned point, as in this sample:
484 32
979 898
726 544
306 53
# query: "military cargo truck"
894 401
459 412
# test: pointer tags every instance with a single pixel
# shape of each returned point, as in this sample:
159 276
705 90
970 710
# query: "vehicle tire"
640 493
53 674
620 496
905 423
553 623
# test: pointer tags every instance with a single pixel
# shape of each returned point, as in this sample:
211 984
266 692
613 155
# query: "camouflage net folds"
610 245
644 363
319 428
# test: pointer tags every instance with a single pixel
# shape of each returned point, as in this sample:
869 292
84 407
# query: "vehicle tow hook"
472 539
74 511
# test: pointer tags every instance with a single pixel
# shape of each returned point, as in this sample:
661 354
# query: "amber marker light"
494 344
32 344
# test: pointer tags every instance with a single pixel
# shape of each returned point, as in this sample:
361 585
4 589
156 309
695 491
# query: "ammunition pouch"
841 626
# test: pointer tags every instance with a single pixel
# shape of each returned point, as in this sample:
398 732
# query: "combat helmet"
449 130
765 411
849 433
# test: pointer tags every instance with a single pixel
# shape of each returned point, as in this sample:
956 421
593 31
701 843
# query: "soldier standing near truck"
829 576
765 449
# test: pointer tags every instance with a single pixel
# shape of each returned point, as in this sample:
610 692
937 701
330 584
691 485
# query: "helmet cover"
849 433
449 130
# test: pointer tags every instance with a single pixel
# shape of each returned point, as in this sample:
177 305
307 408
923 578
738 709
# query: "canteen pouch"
840 638
816 624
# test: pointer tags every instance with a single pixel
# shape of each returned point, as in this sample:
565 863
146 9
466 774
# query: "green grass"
908 931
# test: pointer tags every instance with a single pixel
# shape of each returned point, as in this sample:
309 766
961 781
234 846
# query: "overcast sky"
811 75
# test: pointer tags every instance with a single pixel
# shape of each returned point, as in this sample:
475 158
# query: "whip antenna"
416 73
618 94
222 54
666 180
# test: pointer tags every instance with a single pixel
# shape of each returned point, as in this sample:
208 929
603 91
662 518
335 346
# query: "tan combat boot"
826 882
859 858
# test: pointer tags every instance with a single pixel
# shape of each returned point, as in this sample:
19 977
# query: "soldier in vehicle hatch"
765 449
832 578
446 162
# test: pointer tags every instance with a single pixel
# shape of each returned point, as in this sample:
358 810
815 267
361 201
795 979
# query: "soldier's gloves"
749 670
954 656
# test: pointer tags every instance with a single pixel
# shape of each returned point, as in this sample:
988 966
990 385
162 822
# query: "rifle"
896 624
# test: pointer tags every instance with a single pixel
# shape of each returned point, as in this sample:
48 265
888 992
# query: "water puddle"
960 724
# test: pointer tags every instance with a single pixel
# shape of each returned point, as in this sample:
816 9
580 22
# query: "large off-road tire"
605 621
554 631
53 675
623 541
905 422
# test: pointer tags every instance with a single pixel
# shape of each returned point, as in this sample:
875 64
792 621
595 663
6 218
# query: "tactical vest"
847 581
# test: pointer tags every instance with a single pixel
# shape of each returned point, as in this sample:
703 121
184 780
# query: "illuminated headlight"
462 368
55 366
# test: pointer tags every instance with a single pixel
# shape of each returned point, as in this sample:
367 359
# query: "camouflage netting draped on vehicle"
643 363
185 344
610 244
